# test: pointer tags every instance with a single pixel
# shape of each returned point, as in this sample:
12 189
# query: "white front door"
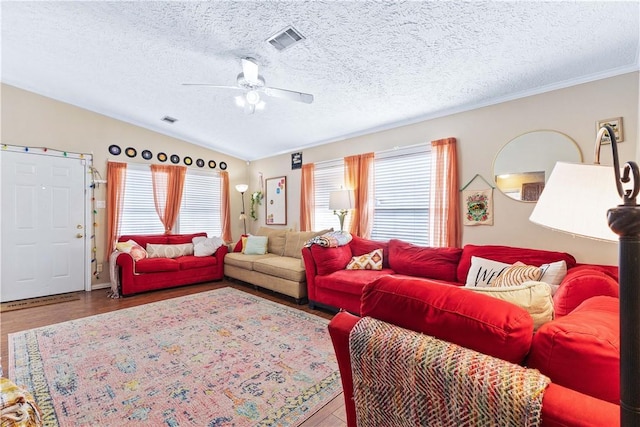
43 225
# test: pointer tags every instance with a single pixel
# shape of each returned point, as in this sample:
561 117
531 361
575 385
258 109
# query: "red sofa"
157 273
579 352
331 286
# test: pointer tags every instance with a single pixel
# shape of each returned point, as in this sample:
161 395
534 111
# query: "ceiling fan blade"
212 85
250 70
291 95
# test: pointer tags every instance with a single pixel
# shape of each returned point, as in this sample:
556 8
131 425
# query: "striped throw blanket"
332 239
403 378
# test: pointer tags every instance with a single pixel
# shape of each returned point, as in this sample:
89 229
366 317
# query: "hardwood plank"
97 302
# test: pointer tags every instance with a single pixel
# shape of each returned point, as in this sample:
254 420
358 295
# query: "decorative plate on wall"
162 157
200 163
131 152
187 161
212 164
115 150
223 165
175 158
146 154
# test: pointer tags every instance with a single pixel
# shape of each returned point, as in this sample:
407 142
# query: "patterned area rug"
218 358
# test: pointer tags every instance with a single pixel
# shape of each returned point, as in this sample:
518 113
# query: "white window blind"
199 211
402 187
327 177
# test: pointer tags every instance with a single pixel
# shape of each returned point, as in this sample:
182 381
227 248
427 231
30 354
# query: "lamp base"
341 214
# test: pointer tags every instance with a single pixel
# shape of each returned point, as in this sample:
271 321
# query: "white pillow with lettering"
483 272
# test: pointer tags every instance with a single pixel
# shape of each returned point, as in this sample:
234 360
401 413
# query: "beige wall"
481 133
32 120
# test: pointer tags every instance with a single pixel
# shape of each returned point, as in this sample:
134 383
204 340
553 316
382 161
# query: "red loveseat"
156 273
331 286
578 352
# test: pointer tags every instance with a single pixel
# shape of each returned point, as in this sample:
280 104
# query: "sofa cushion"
447 312
328 260
360 246
581 282
295 241
275 244
509 255
179 239
280 266
192 261
535 297
255 245
581 351
156 265
483 272
244 261
420 261
169 251
350 281
144 239
370 261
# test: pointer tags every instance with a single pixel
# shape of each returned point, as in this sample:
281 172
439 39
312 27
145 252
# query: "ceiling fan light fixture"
252 97
240 101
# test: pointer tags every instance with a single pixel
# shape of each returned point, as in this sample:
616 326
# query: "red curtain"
358 174
167 192
445 201
116 177
307 198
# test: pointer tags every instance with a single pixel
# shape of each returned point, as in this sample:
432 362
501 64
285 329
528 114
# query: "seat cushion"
413 260
451 313
581 351
156 265
350 281
192 261
245 261
281 266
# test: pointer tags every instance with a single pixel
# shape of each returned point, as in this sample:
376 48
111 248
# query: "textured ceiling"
370 65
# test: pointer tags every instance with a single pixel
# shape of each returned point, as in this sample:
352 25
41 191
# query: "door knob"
79 235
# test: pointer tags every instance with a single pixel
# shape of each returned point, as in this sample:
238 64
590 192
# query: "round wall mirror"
524 164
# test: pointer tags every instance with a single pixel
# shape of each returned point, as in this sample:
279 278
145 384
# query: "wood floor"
96 302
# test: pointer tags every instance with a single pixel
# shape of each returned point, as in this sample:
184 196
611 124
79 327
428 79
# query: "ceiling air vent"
285 38
169 119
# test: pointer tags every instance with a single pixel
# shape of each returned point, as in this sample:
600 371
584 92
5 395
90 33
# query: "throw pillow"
484 271
130 247
553 274
255 245
169 251
370 261
516 275
535 297
203 246
240 243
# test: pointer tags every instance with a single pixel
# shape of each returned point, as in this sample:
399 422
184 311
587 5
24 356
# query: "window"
402 187
200 209
327 177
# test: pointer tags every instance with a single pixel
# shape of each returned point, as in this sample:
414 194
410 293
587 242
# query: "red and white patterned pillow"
370 261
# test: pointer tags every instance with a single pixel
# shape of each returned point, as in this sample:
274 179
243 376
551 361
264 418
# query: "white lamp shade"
576 199
241 188
341 200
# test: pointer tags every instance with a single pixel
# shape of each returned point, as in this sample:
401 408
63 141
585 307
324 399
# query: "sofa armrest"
580 284
561 407
310 272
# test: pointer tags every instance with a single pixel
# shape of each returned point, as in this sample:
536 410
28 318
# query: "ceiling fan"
253 85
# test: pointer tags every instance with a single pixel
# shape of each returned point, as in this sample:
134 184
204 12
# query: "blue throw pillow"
256 245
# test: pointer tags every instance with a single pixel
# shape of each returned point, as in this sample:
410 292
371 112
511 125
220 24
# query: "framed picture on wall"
616 124
276 201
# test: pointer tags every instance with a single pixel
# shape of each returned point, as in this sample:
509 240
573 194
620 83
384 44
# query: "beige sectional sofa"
281 269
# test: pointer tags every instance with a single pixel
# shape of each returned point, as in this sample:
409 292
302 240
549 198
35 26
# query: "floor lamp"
242 188
576 199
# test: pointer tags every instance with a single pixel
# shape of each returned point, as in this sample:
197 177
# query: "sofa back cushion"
420 261
179 239
295 240
276 239
360 246
509 255
479 322
144 239
581 351
329 260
